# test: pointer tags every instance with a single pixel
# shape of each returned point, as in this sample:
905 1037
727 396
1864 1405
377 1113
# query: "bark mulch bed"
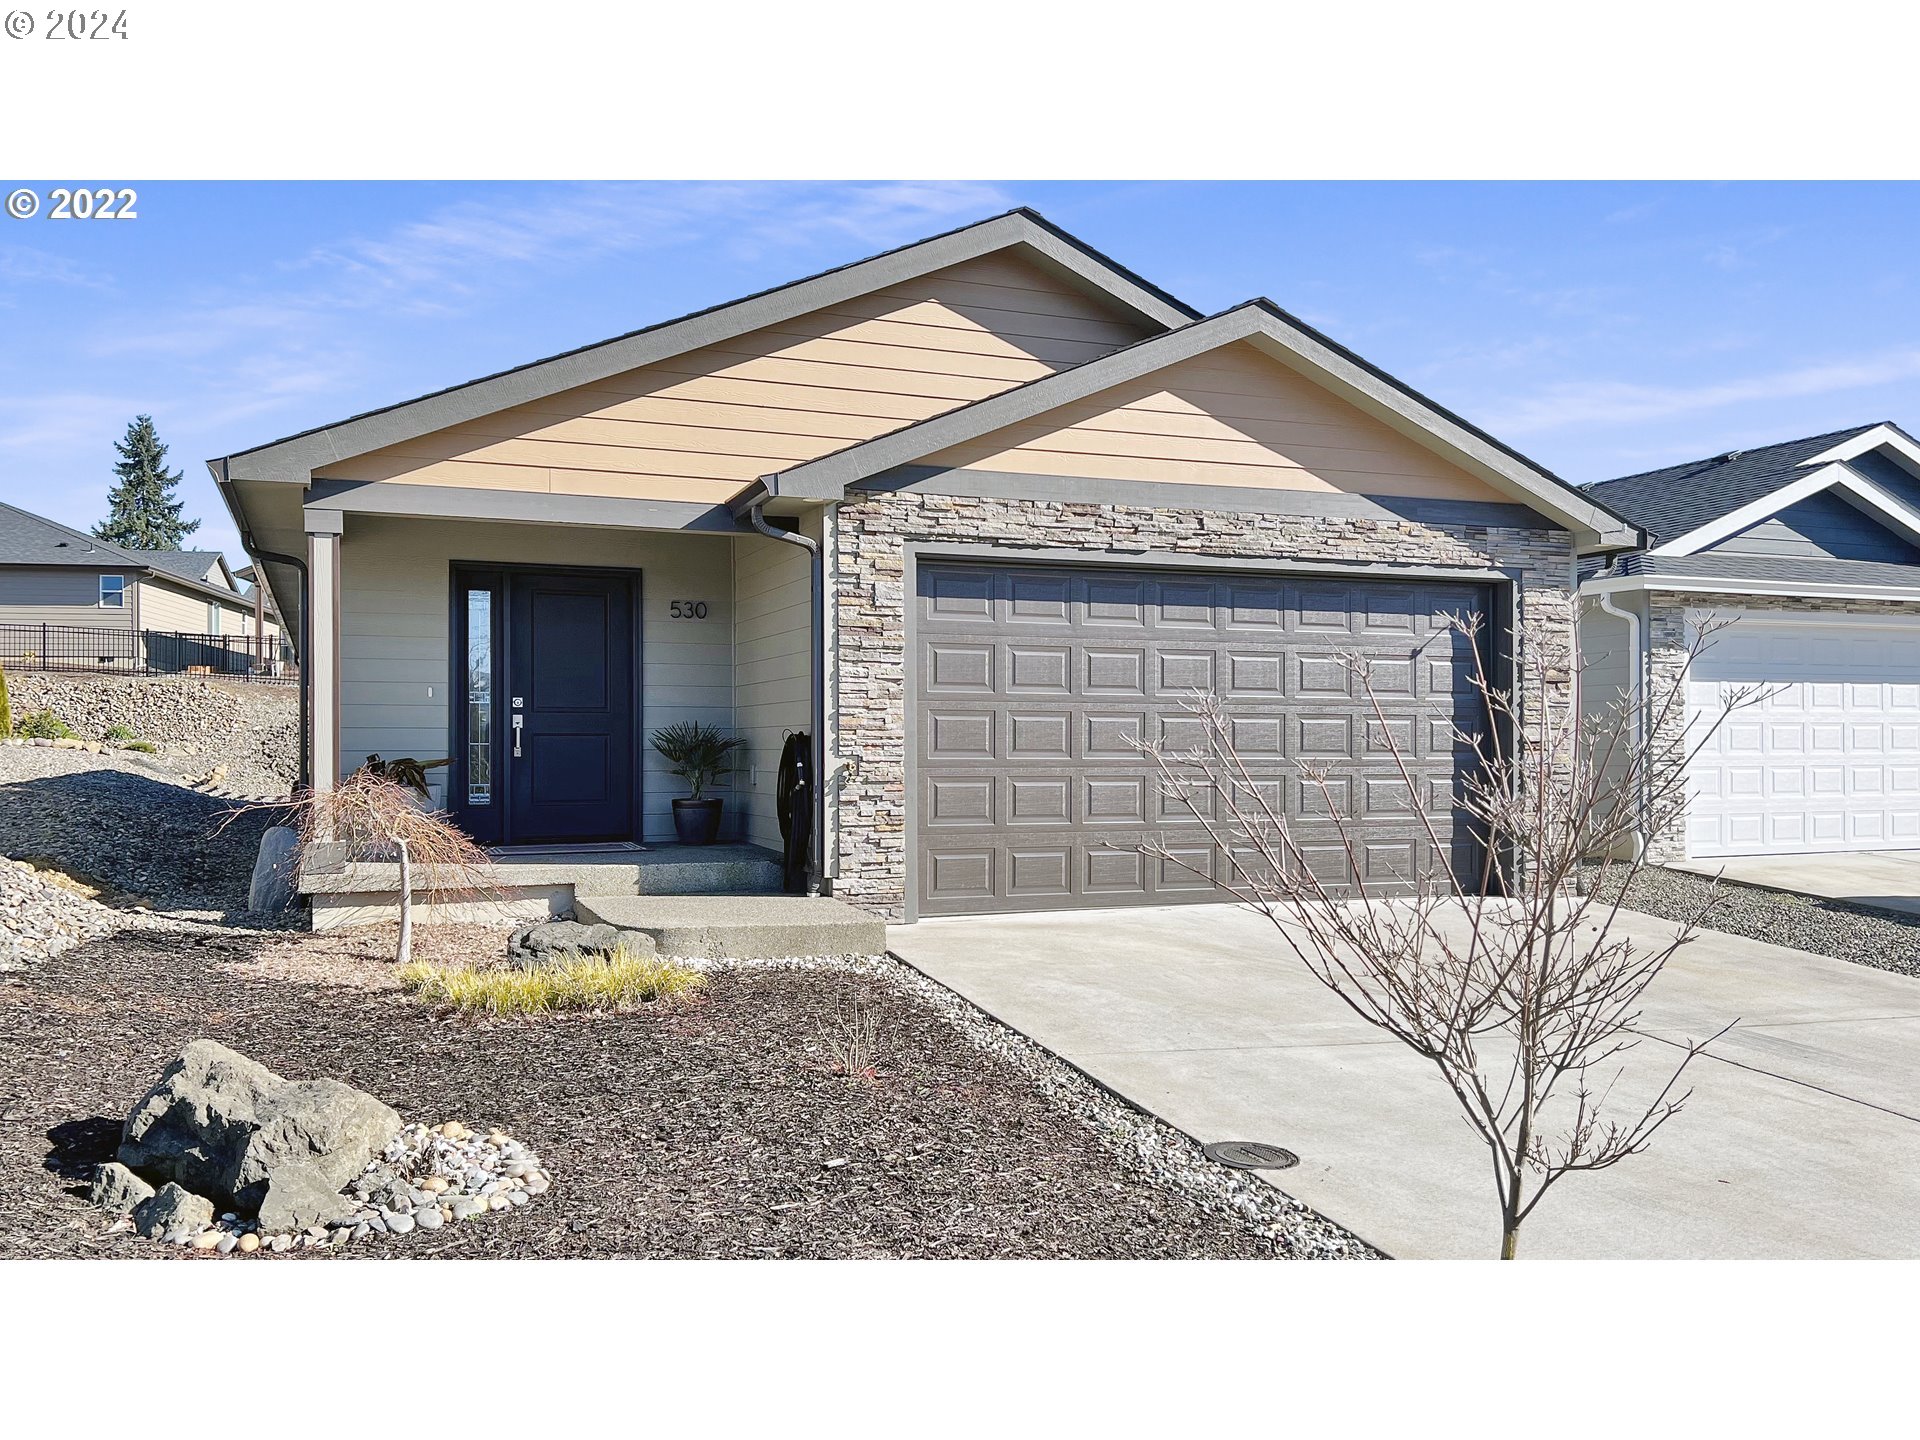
703 1130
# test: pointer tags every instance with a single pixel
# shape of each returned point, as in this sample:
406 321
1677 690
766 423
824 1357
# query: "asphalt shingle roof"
186 564
28 539
1795 569
1679 499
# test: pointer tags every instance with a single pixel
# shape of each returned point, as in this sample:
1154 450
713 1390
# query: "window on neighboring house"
213 617
113 590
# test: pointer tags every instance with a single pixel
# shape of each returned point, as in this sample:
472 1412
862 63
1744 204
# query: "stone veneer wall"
870 610
1667 661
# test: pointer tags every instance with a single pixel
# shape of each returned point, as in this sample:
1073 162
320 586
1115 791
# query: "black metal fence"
79 648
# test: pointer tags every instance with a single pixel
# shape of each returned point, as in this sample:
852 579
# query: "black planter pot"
696 822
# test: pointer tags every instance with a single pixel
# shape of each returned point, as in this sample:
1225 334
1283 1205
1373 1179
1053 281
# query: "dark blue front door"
568 711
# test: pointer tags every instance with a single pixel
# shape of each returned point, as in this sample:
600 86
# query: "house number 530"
687 609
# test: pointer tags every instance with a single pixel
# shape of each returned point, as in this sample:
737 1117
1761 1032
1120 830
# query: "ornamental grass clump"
621 980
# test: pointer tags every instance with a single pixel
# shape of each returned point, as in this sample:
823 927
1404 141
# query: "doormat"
604 847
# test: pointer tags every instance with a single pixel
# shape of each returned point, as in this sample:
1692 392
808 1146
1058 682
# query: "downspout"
816 587
298 562
1636 692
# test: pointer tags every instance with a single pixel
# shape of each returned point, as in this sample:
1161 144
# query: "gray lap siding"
875 532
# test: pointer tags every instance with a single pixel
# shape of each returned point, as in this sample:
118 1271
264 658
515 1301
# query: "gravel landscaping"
40 917
716 1126
248 732
1801 922
130 827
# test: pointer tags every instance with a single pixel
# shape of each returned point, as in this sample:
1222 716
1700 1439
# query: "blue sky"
1599 328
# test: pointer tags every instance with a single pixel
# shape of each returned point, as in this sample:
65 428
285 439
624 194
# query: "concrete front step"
740 927
709 870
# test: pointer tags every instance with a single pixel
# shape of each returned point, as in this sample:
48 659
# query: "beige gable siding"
701 426
55 595
171 607
1233 417
167 606
395 595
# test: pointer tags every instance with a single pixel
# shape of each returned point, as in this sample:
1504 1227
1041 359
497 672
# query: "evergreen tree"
141 511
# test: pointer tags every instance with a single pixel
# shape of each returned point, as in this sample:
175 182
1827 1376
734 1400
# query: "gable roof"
294 458
29 539
1679 499
184 564
1282 335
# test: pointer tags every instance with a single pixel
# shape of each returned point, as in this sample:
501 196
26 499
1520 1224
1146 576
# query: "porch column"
323 644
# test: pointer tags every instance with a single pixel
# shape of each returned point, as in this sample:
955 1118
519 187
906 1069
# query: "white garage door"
1830 761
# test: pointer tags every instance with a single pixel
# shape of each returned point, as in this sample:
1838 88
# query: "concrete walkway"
1889 879
1802 1139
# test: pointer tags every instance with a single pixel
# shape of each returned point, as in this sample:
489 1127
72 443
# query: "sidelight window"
480 667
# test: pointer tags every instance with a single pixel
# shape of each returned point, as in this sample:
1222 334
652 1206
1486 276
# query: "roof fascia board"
295 459
828 477
1727 585
1881 437
448 502
1882 504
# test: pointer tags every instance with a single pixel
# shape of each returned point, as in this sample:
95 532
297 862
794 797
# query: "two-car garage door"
1032 684
1830 758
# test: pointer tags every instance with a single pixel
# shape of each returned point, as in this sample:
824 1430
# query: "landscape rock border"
427 1178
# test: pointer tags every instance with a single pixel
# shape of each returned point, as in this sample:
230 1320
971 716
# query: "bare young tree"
1499 961
380 815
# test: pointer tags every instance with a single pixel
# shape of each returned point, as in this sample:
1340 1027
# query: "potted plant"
699 754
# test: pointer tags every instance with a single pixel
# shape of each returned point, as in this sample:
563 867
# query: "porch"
702 901
537 660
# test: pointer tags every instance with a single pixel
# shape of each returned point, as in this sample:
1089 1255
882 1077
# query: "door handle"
518 721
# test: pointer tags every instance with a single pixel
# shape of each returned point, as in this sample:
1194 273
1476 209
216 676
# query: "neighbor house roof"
1280 334
1801 576
29 539
184 564
1679 499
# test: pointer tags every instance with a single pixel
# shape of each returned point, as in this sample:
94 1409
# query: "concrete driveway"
1889 879
1802 1139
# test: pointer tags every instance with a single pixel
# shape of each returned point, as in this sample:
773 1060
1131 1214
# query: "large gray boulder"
227 1127
298 1196
276 871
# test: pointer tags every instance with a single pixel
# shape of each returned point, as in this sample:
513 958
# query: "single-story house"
65 579
1811 548
973 514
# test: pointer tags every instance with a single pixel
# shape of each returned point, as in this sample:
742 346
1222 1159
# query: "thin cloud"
24 265
1612 402
444 260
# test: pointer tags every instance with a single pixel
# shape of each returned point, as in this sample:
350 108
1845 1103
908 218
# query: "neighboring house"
1812 549
52 575
1022 502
